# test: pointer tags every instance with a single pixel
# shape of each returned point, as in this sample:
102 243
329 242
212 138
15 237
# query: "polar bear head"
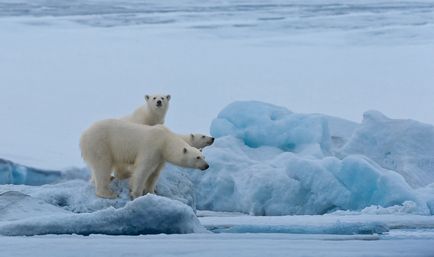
158 102
200 141
193 158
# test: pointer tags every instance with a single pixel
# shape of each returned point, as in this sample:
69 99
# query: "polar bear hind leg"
101 174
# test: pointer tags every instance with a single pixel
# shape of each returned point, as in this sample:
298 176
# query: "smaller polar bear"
111 142
152 113
198 141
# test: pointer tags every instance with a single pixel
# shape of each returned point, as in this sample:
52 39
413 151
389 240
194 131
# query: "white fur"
150 113
198 141
115 144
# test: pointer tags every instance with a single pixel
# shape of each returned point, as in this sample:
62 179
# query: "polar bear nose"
159 103
206 166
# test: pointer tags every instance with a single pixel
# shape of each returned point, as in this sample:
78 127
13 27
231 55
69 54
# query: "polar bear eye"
203 136
198 158
155 98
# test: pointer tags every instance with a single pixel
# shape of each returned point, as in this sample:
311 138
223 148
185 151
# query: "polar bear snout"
159 103
204 167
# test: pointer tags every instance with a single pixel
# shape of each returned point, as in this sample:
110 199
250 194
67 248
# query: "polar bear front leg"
153 179
140 175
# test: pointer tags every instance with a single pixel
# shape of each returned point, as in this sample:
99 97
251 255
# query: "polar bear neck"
147 116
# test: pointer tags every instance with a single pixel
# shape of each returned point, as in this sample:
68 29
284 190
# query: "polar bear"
110 142
152 113
198 141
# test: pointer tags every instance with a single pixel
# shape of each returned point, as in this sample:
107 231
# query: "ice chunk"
71 190
74 195
405 146
176 185
79 195
15 205
342 223
149 214
260 124
262 181
12 173
338 228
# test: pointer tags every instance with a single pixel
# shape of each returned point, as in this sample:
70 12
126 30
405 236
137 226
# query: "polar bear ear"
168 97
146 97
192 136
185 150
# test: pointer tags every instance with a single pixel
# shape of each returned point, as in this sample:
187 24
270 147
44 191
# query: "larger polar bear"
111 142
152 113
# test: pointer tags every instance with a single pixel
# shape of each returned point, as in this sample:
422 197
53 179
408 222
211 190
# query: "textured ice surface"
15 205
406 146
252 180
260 124
71 189
269 161
149 214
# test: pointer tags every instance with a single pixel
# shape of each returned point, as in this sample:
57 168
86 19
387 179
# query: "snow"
149 214
406 146
194 245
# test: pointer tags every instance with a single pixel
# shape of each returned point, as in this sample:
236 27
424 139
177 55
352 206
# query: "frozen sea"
65 64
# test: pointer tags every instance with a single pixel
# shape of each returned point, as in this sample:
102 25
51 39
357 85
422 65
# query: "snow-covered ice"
194 245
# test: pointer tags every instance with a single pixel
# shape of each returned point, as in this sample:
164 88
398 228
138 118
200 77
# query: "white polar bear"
198 141
111 142
152 113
